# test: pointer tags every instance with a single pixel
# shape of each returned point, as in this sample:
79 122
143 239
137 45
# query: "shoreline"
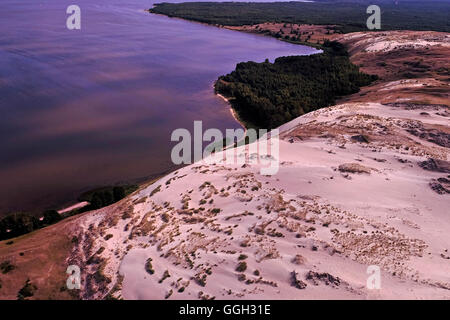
233 112
231 28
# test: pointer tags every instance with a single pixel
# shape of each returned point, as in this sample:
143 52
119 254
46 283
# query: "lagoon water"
96 106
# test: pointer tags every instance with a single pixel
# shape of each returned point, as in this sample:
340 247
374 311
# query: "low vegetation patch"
241 267
165 276
354 168
27 290
149 266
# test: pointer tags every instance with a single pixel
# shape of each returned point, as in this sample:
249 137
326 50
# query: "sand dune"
338 204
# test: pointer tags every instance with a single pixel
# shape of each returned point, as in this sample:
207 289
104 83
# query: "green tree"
50 217
119 193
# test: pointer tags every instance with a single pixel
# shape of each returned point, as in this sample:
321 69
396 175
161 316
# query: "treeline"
105 196
18 224
348 15
266 95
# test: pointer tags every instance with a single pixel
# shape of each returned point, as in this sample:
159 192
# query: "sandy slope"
317 217
366 182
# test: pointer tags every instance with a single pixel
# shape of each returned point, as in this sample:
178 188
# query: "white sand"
338 222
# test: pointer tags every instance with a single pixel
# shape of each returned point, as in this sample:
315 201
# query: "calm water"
85 108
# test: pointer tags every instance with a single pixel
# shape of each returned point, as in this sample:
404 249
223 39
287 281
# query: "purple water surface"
96 106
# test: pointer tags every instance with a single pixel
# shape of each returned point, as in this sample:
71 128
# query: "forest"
267 95
348 15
